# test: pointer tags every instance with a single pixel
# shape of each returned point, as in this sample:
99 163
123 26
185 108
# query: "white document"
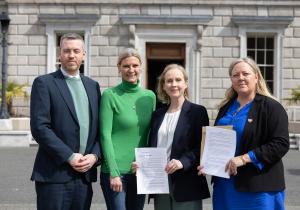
151 175
219 148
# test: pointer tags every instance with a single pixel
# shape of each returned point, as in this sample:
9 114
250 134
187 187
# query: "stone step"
15 138
295 141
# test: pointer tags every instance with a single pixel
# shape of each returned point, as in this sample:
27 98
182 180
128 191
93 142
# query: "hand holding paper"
219 148
151 175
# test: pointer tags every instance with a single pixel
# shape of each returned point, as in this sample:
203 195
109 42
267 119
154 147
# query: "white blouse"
166 131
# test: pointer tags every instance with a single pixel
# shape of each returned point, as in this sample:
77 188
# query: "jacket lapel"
158 119
251 122
182 124
65 92
91 94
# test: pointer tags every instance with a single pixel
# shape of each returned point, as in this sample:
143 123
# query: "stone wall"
220 41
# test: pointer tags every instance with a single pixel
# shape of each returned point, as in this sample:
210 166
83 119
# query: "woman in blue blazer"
178 128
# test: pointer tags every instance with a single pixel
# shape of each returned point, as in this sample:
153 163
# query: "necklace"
237 111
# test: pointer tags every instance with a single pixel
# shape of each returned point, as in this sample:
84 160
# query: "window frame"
264 50
265 25
64 23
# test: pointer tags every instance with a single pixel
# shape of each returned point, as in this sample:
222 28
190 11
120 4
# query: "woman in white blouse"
177 127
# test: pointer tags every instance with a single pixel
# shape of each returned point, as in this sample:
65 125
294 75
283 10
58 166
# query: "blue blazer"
55 127
186 184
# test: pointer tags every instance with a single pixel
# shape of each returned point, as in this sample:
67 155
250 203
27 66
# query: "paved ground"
17 191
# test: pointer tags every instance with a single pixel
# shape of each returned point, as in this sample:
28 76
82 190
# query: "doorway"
158 56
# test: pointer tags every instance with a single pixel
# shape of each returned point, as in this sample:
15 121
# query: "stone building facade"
204 36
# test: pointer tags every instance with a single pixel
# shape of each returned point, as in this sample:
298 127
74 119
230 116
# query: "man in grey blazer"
64 122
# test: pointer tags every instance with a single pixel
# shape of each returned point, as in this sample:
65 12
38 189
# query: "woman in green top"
125 114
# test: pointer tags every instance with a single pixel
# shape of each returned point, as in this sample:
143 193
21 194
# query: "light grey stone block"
225 31
99 61
18 19
222 52
150 10
202 10
31 29
212 41
6 125
28 50
231 42
129 10
165 10
223 10
52 9
28 9
37 60
99 40
15 138
109 9
296 32
109 51
281 11
109 71
244 11
18 39
212 83
28 70
212 62
87 9
37 40
33 19
181 10
17 60
70 9
262 11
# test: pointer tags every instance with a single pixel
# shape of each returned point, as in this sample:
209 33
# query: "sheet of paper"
204 134
151 175
219 148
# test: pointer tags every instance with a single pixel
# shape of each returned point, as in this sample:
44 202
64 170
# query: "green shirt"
125 114
81 103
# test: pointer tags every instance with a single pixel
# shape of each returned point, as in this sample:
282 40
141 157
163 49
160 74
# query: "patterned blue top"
225 196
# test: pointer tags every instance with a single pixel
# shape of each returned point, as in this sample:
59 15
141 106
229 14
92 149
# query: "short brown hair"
71 36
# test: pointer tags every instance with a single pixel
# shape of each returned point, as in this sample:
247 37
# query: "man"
64 121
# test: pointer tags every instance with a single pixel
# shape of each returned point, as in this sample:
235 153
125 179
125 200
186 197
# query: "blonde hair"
261 86
128 52
161 93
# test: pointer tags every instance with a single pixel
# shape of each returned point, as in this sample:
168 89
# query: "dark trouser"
73 195
125 200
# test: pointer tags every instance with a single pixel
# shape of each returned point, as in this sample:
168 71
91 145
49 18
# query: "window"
261 49
261 38
58 37
58 24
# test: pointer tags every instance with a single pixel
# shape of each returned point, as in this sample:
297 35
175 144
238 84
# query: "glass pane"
251 54
251 43
270 86
270 43
260 43
270 57
269 73
262 70
260 57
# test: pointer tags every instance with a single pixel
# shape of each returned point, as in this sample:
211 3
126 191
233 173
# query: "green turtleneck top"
125 114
